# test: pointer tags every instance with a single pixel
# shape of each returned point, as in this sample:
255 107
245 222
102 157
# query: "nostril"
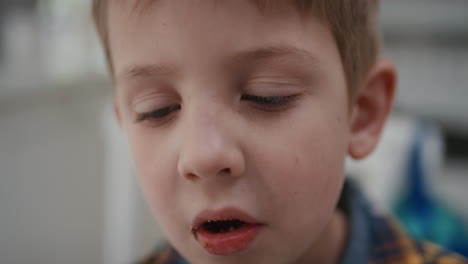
190 176
225 171
193 176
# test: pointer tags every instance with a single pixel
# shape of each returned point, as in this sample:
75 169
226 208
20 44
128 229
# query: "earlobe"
372 105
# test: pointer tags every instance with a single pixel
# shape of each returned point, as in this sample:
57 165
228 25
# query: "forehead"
302 6
196 32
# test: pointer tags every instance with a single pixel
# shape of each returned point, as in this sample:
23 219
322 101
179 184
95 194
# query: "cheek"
305 169
154 169
311 168
158 179
320 165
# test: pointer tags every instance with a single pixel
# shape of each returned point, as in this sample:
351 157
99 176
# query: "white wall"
51 177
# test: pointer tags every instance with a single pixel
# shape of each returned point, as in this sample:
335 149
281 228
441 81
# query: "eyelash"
270 103
157 114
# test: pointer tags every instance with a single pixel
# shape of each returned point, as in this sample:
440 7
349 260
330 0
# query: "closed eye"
270 103
157 114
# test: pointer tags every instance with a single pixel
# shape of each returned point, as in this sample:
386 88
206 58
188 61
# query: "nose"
210 150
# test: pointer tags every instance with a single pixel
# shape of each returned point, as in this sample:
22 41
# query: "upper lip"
228 213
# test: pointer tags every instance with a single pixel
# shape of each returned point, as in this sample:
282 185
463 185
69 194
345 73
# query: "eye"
158 114
270 103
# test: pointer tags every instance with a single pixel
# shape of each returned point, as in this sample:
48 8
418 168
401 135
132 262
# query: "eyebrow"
249 55
146 71
275 51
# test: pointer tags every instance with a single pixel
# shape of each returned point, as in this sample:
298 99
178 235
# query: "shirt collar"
357 209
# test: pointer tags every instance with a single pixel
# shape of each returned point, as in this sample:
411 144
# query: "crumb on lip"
194 229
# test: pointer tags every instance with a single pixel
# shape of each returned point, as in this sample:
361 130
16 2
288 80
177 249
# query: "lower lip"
230 242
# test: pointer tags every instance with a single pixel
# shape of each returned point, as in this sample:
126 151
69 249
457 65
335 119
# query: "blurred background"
67 188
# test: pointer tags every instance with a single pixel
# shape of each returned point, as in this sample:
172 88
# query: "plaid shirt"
372 238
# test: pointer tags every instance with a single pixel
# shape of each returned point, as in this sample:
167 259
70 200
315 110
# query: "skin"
214 147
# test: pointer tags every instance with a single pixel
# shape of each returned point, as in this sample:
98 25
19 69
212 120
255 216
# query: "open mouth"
220 226
226 231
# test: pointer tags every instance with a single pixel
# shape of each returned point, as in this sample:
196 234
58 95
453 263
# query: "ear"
373 102
116 110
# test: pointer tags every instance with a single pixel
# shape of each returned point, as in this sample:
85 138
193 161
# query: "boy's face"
235 111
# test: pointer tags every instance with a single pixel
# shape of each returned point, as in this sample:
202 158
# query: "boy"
239 115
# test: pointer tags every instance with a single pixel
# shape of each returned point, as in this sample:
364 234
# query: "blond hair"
353 24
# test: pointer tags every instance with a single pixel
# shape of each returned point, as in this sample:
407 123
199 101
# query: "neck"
329 246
